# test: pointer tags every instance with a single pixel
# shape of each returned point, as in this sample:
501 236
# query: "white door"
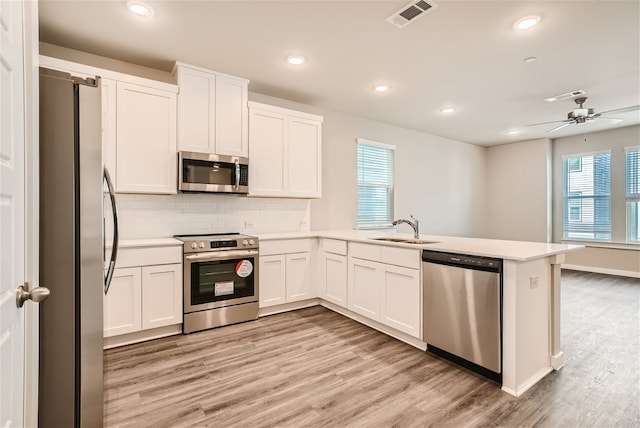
12 214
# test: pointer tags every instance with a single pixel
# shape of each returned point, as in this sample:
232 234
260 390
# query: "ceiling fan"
581 115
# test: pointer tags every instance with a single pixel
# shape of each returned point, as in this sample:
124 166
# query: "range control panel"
204 243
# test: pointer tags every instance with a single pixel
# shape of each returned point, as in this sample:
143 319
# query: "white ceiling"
464 54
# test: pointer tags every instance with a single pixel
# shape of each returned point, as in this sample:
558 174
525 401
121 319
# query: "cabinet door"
196 111
401 299
267 153
231 117
304 143
109 127
298 277
365 288
161 295
272 289
121 305
334 278
146 152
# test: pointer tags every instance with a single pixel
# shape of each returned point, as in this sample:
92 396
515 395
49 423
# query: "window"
575 164
575 207
587 196
633 193
375 184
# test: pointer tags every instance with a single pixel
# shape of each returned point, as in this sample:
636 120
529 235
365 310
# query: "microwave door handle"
237 185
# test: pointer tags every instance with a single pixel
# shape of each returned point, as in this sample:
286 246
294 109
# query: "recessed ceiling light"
140 9
296 59
513 131
526 22
530 59
447 109
381 87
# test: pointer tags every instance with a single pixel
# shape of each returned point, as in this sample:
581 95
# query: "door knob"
38 294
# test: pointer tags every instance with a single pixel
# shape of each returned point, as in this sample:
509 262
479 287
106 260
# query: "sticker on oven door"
223 288
244 268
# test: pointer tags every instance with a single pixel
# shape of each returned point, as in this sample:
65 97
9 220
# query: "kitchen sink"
405 240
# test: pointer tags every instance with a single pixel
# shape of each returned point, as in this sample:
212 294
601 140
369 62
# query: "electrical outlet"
533 282
248 225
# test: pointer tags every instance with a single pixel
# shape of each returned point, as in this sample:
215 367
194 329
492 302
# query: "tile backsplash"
161 216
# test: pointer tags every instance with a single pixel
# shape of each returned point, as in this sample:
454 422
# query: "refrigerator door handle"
116 237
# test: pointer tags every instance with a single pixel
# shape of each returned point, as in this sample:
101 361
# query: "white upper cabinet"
212 112
285 152
138 128
146 155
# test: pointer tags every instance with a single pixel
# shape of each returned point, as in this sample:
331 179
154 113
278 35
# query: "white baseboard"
286 307
141 336
605 271
557 361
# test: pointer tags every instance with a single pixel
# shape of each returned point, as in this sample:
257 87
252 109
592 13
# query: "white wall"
438 180
518 191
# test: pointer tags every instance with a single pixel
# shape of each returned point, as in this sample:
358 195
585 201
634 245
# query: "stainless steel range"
220 280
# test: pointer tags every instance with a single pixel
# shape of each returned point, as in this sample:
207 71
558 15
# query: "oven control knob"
250 241
201 245
245 242
194 245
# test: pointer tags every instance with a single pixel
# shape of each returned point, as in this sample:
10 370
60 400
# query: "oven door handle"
220 255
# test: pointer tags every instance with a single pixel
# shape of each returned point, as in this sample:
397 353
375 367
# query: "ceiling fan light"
527 22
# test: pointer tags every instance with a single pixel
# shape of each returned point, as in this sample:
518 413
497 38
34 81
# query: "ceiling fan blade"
621 110
547 123
559 127
610 118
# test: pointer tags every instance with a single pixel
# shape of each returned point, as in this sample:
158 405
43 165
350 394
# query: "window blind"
587 196
375 184
633 193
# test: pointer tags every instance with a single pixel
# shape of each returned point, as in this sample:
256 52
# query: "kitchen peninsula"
531 345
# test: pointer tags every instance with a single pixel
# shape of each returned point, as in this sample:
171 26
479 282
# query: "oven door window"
206 172
221 280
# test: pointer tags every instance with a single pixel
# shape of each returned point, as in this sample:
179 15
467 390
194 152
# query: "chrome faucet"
415 224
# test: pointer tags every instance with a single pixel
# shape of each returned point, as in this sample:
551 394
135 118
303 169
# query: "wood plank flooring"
316 368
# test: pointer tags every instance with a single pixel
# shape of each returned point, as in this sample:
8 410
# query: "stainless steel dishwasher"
463 310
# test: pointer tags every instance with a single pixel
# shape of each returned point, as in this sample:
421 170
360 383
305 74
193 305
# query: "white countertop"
144 243
509 250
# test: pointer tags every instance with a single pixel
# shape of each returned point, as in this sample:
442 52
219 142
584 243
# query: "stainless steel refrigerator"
71 251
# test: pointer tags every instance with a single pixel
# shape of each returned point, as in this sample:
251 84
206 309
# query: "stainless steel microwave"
204 172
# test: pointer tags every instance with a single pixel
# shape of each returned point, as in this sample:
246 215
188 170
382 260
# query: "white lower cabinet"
401 297
285 272
387 293
144 295
122 307
365 288
332 271
272 281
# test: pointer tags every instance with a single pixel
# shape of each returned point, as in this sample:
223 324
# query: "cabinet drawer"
147 256
284 246
365 251
406 257
334 246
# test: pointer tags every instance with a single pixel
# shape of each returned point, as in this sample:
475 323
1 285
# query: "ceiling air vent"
564 96
411 12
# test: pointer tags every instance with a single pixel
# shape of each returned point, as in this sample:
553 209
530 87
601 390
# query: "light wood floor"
315 368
